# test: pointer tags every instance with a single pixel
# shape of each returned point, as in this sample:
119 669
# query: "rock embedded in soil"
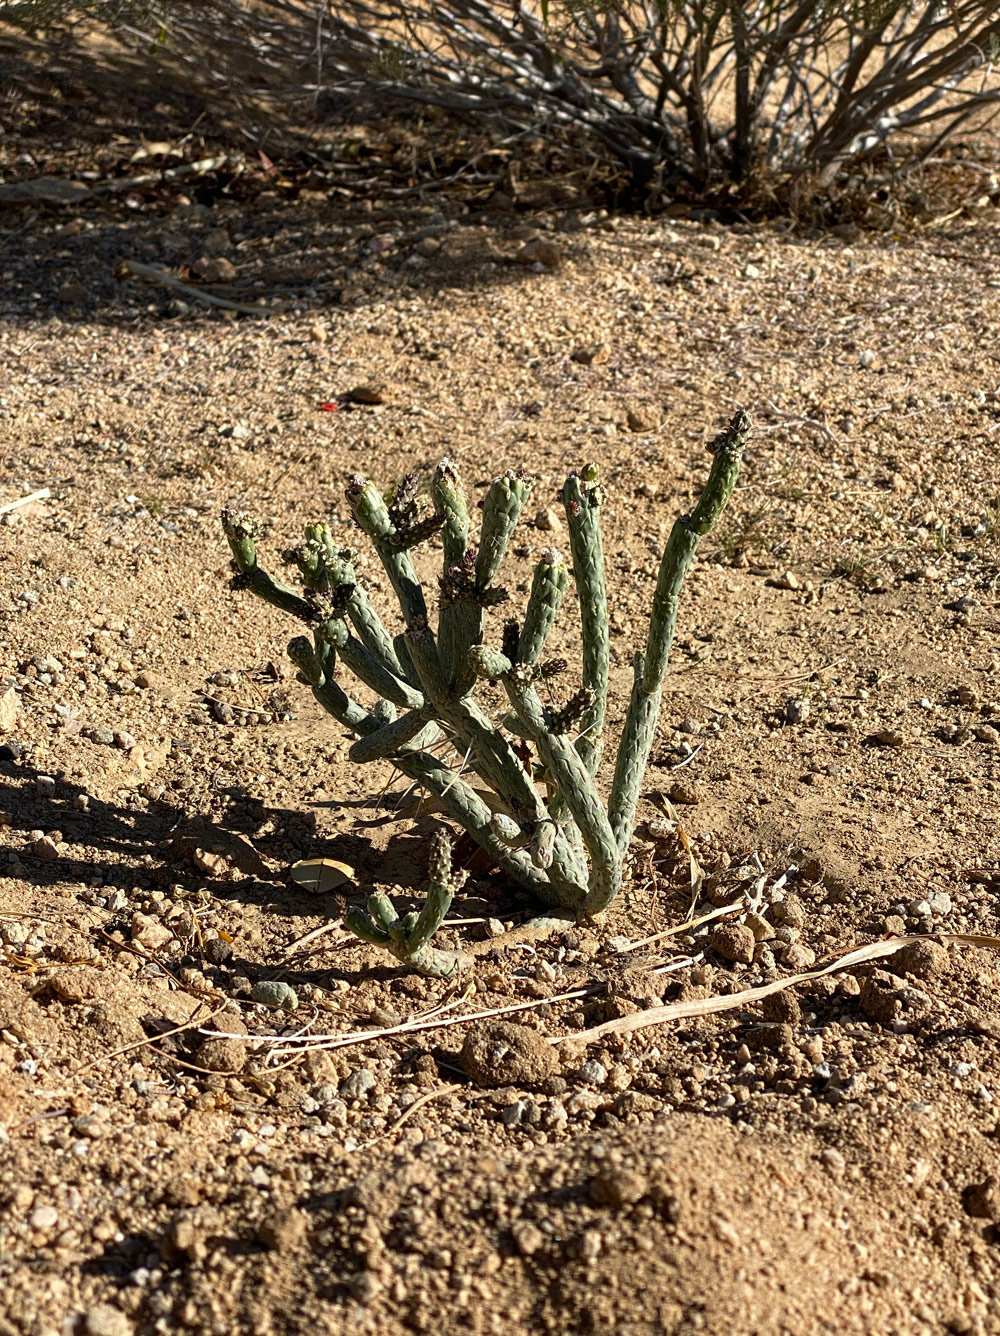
149 933
642 418
106 1320
282 1231
545 253
879 997
759 926
10 706
924 960
528 1238
222 1055
782 1008
44 1218
796 710
45 848
687 795
500 1053
734 942
358 1084
618 1187
371 394
549 520
590 354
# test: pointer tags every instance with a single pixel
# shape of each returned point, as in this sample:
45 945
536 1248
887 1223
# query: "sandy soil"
823 1162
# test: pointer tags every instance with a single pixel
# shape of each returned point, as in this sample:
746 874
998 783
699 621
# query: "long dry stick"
709 1006
133 269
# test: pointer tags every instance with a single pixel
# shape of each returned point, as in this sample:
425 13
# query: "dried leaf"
321 875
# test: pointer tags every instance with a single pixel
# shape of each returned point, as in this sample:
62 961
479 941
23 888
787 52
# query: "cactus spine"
569 847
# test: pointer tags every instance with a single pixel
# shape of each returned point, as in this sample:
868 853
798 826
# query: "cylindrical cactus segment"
582 495
358 922
449 498
444 885
303 655
640 723
365 620
547 588
370 671
416 727
242 532
509 831
372 515
408 938
489 663
543 843
569 770
678 554
502 506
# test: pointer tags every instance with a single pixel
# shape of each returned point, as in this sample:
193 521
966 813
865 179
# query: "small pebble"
45 848
833 1161
528 1238
358 1084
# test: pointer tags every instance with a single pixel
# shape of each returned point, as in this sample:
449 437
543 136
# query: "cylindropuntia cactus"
545 823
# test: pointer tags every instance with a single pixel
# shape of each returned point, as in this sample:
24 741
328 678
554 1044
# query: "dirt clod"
924 960
618 1187
499 1053
222 1055
734 942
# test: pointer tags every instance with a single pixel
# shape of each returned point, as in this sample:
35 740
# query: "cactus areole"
536 809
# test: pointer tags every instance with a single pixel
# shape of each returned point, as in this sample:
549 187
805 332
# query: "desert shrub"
684 94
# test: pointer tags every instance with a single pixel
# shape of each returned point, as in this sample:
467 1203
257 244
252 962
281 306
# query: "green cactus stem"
449 499
243 532
372 515
582 496
365 620
367 668
644 706
409 938
502 506
569 770
416 728
548 586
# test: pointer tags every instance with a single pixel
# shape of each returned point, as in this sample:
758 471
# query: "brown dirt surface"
177 1157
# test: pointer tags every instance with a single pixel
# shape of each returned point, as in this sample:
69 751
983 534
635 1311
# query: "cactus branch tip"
242 525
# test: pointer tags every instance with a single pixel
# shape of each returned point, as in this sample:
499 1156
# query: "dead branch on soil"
710 1006
41 495
149 274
